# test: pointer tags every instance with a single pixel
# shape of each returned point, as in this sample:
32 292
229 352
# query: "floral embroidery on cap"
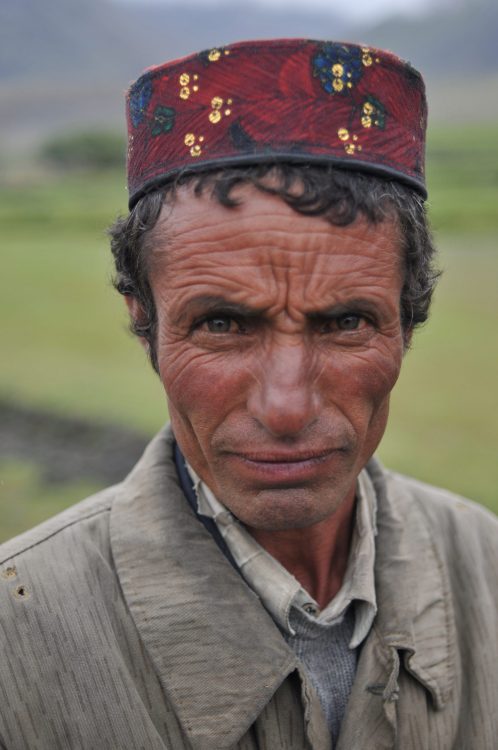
140 97
164 120
350 141
217 111
373 113
362 107
188 84
193 143
208 56
338 67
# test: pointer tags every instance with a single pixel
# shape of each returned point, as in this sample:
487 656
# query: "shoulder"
445 510
82 526
462 534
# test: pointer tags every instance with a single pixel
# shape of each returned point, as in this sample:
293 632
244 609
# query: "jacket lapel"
415 608
217 653
414 627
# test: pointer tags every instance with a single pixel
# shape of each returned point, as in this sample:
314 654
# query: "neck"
316 556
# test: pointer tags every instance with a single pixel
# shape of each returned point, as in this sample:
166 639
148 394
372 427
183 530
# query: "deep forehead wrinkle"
251 253
199 216
271 246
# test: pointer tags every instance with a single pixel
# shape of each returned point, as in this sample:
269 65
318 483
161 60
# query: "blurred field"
65 345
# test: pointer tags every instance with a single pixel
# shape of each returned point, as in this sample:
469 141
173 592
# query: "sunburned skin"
279 341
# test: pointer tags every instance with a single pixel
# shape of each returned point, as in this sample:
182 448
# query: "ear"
137 315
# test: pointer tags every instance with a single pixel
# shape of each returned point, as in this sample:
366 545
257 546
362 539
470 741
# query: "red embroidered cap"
292 100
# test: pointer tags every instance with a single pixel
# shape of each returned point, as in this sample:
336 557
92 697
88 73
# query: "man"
259 580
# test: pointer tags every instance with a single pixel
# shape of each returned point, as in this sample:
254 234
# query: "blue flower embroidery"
139 101
338 67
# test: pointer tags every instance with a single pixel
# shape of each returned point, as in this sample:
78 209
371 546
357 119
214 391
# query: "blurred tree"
93 149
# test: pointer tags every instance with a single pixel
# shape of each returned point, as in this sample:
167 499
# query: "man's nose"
284 398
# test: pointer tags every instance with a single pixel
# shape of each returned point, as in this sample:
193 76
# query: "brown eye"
219 324
348 322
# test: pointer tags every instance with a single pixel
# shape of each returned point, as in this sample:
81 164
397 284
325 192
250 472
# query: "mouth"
283 467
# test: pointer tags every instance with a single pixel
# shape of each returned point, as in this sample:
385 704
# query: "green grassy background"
65 345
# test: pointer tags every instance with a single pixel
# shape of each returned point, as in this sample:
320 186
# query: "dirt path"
67 448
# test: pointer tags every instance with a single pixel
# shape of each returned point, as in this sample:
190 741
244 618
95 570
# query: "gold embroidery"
366 57
372 114
186 84
190 141
346 137
217 104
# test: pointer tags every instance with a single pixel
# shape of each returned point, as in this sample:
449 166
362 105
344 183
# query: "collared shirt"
281 594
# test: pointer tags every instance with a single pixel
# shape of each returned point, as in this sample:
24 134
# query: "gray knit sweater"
328 660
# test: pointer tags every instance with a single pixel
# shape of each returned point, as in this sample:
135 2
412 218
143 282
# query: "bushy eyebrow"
355 305
206 304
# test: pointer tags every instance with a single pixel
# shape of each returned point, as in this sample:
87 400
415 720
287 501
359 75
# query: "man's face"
278 343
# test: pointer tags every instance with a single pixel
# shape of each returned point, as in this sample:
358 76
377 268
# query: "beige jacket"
123 627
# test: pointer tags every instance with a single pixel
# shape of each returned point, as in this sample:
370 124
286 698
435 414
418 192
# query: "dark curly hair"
337 195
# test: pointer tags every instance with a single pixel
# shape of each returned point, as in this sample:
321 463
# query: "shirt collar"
279 591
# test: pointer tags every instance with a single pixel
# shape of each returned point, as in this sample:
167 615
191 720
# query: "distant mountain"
63 38
176 30
83 38
79 39
65 63
460 42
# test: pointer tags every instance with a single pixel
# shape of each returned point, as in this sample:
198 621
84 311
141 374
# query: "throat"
317 556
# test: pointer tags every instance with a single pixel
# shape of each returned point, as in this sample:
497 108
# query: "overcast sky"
355 10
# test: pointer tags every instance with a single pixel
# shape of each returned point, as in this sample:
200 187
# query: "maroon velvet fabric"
282 100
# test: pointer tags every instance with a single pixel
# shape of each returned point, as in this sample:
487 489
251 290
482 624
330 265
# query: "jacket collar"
218 654
222 665
415 613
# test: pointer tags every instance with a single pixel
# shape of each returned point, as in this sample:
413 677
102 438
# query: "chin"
280 510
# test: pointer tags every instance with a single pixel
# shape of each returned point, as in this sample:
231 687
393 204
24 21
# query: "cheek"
201 387
366 380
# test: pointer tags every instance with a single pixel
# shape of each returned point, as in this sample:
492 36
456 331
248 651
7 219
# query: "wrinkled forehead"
262 240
